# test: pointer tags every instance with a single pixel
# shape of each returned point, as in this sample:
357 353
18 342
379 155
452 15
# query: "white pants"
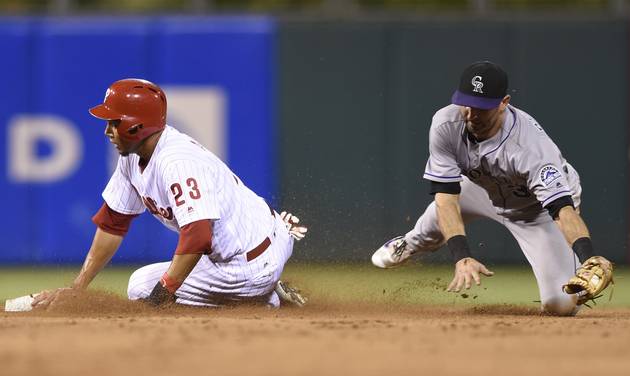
542 242
215 284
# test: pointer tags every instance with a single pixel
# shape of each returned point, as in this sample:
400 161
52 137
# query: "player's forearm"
572 225
452 225
182 265
576 233
180 268
104 246
449 215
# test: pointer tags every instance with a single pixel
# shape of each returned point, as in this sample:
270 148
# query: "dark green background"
355 105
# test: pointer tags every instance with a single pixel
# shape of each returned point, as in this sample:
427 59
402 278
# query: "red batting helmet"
140 106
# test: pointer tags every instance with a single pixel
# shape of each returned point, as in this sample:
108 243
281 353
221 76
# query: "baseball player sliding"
489 159
232 246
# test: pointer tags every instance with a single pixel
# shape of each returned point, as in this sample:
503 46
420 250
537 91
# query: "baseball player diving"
489 159
232 246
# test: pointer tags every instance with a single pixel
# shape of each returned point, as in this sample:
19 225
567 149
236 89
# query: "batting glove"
297 232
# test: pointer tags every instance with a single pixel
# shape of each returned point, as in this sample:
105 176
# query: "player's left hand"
47 298
297 232
467 270
591 278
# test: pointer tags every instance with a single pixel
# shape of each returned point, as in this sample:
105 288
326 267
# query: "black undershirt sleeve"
453 188
554 206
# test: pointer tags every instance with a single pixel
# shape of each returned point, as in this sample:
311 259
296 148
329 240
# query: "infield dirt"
102 334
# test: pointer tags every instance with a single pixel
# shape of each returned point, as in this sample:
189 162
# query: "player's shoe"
290 294
392 254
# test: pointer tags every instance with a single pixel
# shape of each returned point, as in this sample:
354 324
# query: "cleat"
392 254
290 294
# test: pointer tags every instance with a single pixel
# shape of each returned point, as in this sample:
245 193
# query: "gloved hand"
591 279
297 232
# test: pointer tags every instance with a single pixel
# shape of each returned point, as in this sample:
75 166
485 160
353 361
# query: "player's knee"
561 305
136 289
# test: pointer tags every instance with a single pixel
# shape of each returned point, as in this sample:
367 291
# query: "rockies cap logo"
476 82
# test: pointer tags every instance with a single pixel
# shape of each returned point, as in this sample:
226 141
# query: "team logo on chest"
151 204
549 174
477 84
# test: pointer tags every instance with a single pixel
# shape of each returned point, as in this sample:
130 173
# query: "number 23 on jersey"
191 190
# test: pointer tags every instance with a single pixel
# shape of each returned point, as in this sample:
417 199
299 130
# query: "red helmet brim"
105 113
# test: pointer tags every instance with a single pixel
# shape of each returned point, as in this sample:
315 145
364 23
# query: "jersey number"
177 190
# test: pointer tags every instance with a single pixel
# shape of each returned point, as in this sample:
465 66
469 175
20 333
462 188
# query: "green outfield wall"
355 105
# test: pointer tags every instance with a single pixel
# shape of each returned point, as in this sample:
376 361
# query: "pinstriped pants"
215 284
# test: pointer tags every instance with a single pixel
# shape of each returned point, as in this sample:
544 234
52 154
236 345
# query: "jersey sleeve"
112 222
543 165
195 238
442 165
192 191
119 194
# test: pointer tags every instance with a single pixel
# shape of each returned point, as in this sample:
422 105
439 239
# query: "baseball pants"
550 256
214 284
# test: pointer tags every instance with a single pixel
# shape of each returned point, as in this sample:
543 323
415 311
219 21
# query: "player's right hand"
467 270
47 297
296 231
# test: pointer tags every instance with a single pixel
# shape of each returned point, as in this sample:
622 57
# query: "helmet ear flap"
134 129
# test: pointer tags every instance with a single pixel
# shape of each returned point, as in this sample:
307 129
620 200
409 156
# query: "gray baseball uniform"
509 178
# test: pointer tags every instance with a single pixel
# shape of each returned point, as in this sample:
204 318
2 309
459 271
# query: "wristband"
170 283
583 248
458 245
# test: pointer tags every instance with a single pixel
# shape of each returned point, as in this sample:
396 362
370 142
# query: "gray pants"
552 259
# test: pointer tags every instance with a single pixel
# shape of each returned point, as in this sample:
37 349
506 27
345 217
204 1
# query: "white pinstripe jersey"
520 167
183 183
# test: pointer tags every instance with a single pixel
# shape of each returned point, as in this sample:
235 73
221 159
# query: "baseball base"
21 304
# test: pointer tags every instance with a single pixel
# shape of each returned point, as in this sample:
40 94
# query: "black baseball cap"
482 85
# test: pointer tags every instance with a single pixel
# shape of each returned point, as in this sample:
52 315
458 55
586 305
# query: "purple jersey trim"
474 101
444 177
506 137
554 195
